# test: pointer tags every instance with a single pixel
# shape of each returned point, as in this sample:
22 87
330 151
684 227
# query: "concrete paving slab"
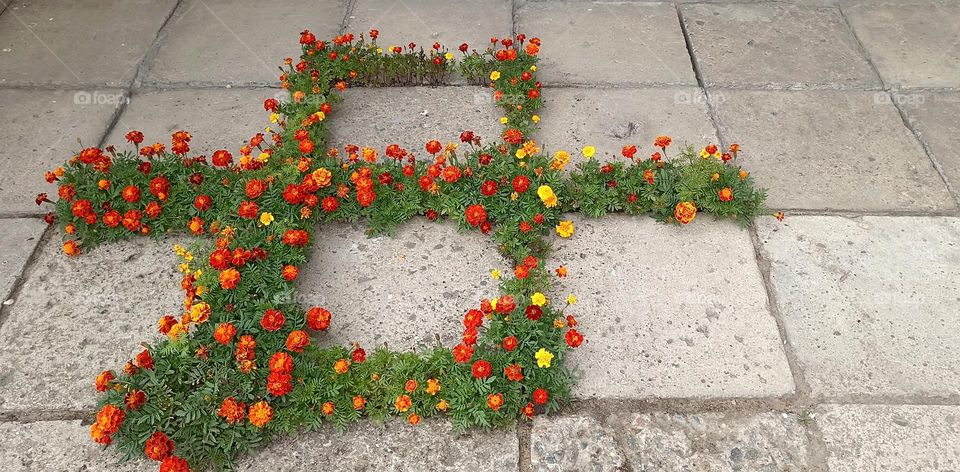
609 119
912 44
57 42
79 316
61 446
239 42
18 238
934 117
392 447
869 303
775 44
403 290
411 116
217 118
670 311
664 441
608 42
891 437
425 22
829 149
42 130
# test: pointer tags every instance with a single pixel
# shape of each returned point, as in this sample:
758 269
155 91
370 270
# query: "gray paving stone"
663 441
394 446
608 42
41 131
869 303
934 117
217 118
60 446
891 437
58 42
609 119
411 116
425 22
670 311
79 316
779 45
913 45
18 237
403 290
239 42
828 149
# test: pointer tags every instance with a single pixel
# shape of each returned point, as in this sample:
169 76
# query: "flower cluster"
240 363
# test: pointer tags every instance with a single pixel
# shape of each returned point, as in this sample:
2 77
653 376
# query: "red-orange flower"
174 464
327 408
229 278
685 212
318 319
224 333
476 215
725 194
104 381
158 446
359 402
290 273
574 338
260 414
495 401
248 210
272 320
481 369
231 410
278 384
135 399
402 403
462 353
144 360
131 193
297 340
540 396
513 372
510 343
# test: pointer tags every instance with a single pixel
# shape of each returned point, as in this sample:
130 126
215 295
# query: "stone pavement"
829 341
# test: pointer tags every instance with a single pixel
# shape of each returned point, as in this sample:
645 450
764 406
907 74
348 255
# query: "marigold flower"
135 399
513 372
318 319
413 419
272 320
574 338
662 141
571 299
144 360
481 369
279 383
476 215
290 273
495 75
341 366
266 218
359 402
174 464
104 380
462 353
540 396
260 414
685 212
779 215
549 199
544 358
297 341
589 151
231 410
402 403
565 229
538 299
158 446
495 401
725 194
410 386
71 248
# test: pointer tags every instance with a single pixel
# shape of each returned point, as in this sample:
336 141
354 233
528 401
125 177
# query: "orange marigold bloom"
725 194
279 383
318 319
104 380
662 141
403 403
327 408
174 464
297 340
413 419
144 360
71 248
462 353
495 401
281 362
272 320
158 446
433 386
135 399
229 278
196 225
410 386
224 333
231 410
290 273
513 372
109 419
561 271
359 402
260 414
685 212
341 366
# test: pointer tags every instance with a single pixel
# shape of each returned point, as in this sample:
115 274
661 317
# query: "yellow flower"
448 56
514 196
547 196
533 68
558 323
179 249
493 303
188 256
263 157
565 229
503 120
274 117
176 331
544 357
715 177
266 218
379 51
433 386
320 115
538 299
571 299
495 274
589 151
521 153
184 267
535 118
495 75
442 405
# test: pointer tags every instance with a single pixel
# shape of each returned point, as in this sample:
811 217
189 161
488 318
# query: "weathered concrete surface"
77 317
425 22
239 42
57 42
217 119
869 304
395 446
670 311
411 116
934 117
891 437
664 441
41 131
912 44
18 237
775 44
608 42
609 119
58 446
828 149
401 290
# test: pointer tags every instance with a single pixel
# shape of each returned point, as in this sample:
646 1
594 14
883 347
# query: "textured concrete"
78 42
609 119
58 446
891 437
663 441
608 42
217 119
393 447
670 311
425 22
237 42
869 303
79 316
403 290
831 150
775 44
18 237
42 130
411 116
913 44
934 117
